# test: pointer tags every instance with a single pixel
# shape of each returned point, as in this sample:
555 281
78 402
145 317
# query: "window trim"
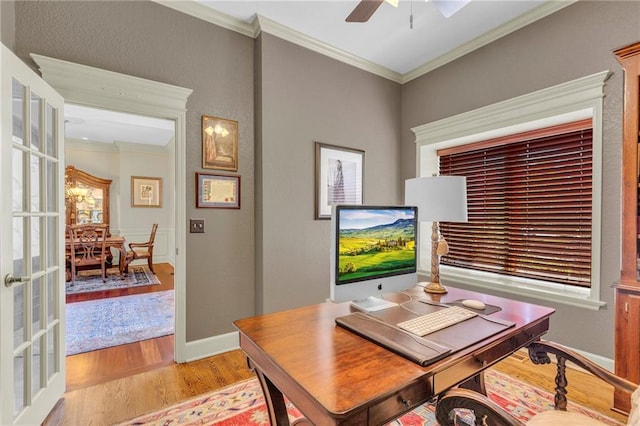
571 101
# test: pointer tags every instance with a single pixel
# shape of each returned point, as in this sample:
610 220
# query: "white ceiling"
102 126
386 45
386 39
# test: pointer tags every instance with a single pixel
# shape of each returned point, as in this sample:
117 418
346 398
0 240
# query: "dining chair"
88 248
142 250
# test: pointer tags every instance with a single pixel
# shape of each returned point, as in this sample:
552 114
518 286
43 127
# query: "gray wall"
147 40
7 23
300 97
307 97
574 42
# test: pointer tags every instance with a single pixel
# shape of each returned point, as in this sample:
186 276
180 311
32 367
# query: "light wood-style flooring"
127 397
96 367
115 384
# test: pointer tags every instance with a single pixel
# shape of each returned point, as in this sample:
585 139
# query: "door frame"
95 87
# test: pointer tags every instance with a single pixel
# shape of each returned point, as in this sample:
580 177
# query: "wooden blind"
529 201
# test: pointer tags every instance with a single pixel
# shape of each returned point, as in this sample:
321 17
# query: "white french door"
32 302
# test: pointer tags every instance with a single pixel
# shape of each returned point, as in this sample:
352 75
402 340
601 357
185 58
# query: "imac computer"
373 251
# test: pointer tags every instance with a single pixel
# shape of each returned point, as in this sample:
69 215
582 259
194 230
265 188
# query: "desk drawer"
470 366
408 398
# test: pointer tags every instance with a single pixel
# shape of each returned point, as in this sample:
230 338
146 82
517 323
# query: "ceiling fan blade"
364 10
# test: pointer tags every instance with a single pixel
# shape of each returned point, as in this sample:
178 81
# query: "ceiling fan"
366 8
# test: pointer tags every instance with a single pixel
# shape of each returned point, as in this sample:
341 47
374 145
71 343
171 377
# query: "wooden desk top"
329 372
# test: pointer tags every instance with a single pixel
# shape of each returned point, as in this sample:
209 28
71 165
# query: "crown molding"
271 27
515 24
262 24
142 147
200 11
116 146
96 86
83 145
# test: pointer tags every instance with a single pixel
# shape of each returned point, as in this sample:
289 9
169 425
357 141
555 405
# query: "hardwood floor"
107 364
123 398
115 384
117 400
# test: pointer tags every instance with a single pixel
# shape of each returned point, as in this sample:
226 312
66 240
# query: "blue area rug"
88 281
97 324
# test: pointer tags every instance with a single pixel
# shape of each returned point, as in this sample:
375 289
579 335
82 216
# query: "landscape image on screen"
375 243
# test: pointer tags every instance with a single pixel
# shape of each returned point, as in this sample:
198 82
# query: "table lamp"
439 199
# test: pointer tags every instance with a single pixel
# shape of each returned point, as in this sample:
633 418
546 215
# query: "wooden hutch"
627 297
86 198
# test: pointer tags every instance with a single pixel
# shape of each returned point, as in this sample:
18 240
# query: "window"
572 110
529 205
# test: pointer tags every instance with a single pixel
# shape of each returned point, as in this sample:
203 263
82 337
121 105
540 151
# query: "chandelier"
76 194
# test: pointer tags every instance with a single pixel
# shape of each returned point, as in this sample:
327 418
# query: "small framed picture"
339 177
146 191
217 191
219 143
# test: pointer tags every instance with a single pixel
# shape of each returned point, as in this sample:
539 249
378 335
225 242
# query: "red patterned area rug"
242 404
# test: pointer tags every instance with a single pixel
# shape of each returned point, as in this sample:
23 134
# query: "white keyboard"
434 321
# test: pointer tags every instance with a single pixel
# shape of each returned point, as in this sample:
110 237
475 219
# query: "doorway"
88 86
115 147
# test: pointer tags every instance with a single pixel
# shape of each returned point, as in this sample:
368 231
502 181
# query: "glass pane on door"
36 249
19 329
19 93
19 266
17 185
52 339
51 146
19 382
36 300
36 106
36 364
52 187
52 241
36 181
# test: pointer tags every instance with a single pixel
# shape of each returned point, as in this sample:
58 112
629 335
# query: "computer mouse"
473 304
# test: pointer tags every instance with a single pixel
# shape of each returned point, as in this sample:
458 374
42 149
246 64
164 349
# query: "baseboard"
210 346
603 362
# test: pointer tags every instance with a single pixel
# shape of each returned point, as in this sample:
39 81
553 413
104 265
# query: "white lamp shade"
438 198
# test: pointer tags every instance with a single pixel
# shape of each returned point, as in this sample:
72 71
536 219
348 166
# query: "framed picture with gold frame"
219 143
146 191
217 191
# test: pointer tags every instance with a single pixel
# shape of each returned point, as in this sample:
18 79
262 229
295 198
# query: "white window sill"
544 291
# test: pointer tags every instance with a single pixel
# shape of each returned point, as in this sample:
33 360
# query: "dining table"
112 241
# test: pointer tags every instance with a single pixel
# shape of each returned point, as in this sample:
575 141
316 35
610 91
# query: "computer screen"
373 251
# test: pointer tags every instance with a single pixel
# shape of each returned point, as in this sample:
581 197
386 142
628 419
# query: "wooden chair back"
88 247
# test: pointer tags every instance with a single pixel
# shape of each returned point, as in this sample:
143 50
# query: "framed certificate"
217 191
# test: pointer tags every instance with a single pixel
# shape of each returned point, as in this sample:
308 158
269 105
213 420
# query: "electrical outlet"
196 226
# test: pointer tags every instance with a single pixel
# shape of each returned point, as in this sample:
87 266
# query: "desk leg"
273 399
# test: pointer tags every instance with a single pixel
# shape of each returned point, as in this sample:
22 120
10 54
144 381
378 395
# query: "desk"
336 377
114 241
